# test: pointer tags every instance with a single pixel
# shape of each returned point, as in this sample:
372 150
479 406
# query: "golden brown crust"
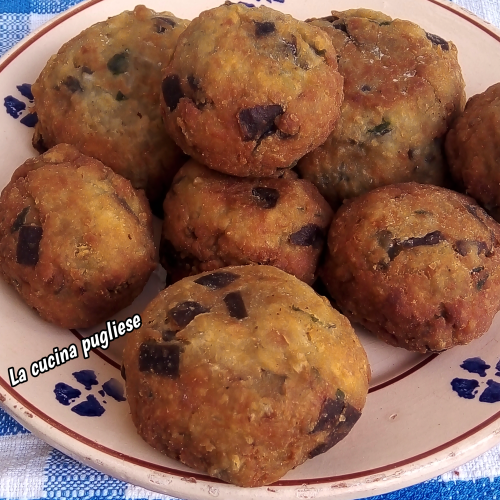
250 90
214 220
473 149
244 388
418 265
76 239
100 93
403 87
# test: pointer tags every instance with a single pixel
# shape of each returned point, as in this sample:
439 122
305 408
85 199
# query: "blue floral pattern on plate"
90 407
468 388
17 108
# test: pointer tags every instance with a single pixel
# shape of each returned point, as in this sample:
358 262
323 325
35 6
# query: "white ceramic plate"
415 424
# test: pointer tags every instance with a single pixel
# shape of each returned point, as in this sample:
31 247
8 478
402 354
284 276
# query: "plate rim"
380 480
345 487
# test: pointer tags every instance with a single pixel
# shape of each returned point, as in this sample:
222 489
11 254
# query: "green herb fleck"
380 23
381 129
313 318
118 63
481 282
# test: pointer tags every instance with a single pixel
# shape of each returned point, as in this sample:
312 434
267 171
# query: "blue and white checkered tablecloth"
31 469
